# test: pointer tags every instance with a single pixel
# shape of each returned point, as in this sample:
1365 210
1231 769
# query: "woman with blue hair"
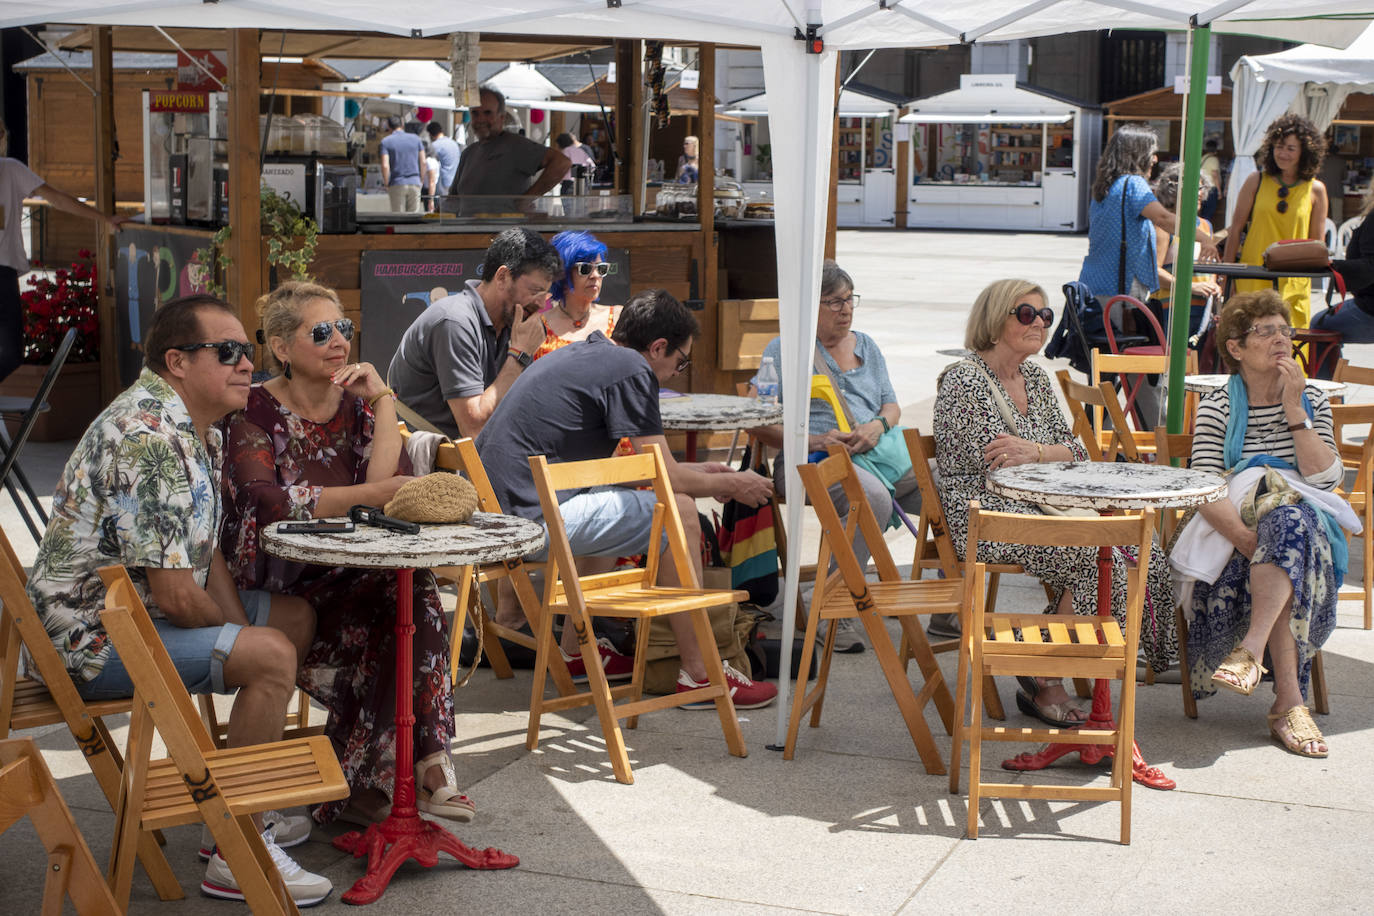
573 313
1267 562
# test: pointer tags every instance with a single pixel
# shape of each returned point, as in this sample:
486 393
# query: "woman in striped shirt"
1278 589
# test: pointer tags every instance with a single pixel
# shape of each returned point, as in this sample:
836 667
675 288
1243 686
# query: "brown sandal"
1241 665
1302 731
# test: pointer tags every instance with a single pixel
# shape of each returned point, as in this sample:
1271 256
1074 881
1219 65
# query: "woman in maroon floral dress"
313 441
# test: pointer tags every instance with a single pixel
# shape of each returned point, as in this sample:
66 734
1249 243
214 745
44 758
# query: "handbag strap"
823 368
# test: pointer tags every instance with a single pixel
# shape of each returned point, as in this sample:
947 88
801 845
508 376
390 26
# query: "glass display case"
185 160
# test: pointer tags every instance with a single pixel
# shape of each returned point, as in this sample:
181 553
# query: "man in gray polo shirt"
503 163
463 353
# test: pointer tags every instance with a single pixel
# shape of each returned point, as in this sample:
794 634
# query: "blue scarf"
1235 441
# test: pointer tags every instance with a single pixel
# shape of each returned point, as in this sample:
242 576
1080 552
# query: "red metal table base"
404 834
1101 715
690 451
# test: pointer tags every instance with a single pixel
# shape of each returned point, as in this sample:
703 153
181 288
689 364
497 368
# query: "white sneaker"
287 830
306 889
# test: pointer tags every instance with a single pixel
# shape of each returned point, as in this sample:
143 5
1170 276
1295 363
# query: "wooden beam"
102 73
707 268
245 281
636 123
831 212
623 77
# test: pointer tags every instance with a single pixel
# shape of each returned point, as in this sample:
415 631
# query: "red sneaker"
747 694
618 667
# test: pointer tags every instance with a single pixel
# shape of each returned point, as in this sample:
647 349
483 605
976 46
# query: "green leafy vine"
291 241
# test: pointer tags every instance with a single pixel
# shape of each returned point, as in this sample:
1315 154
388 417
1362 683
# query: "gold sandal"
1302 731
1241 665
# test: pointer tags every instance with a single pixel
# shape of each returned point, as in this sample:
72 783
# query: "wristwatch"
521 357
1305 424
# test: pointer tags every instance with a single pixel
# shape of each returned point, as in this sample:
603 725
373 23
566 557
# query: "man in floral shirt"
142 489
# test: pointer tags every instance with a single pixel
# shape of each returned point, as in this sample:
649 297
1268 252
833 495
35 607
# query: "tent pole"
1195 110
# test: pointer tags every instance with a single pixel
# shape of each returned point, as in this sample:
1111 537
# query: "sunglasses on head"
1026 314
229 352
322 332
585 268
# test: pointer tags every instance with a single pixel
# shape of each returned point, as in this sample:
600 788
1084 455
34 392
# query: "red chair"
1155 349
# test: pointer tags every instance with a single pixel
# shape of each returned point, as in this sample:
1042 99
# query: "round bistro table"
696 412
485 538
1104 487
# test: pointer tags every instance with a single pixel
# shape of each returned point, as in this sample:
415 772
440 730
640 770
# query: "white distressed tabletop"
1103 485
485 538
1206 383
717 411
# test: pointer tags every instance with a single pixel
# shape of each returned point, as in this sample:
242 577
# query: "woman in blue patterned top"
1123 208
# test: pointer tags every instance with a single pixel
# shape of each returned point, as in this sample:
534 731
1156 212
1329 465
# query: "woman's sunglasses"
1282 205
229 352
1026 314
322 332
586 268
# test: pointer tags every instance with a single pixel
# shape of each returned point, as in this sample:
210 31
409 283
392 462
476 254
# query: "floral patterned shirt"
139 490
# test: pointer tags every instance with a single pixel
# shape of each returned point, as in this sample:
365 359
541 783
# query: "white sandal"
445 801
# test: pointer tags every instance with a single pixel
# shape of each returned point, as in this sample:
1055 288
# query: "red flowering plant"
67 299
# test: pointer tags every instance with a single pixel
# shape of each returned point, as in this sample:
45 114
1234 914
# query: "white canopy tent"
991 98
1309 80
799 40
852 104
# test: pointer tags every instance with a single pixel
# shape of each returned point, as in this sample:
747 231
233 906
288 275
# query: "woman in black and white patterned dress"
996 409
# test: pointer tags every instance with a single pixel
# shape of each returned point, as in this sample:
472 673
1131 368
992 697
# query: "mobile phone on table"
316 527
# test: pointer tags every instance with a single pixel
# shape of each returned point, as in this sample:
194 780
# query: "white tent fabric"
991 97
853 104
800 82
1309 80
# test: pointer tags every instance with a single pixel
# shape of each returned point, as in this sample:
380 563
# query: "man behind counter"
502 163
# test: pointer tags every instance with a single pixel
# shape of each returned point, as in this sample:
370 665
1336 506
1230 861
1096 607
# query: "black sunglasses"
1282 205
585 268
684 362
1026 314
322 332
229 352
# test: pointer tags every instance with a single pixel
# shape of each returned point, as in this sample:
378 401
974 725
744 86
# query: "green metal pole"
1194 112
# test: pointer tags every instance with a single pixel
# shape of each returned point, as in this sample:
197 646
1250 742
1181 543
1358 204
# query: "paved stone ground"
853 824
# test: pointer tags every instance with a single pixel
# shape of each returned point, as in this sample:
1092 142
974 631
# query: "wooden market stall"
692 258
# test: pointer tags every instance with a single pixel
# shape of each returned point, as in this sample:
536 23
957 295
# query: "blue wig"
573 246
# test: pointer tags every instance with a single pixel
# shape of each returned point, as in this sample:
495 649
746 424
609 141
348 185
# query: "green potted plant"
290 235
53 304
764 159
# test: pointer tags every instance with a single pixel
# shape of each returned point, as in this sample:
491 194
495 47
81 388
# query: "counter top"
454 227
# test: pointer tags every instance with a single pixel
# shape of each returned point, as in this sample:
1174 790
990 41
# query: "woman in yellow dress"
1283 200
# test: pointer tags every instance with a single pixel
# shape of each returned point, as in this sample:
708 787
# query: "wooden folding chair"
462 457
846 593
1050 645
935 550
623 593
197 782
29 703
1102 396
1170 446
1130 370
1356 456
27 788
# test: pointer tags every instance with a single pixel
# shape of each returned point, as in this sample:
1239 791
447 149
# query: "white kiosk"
867 169
990 155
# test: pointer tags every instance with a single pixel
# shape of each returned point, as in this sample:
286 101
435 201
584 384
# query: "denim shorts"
198 654
605 522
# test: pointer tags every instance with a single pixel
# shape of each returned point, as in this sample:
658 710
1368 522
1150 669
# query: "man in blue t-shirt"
447 151
577 403
403 167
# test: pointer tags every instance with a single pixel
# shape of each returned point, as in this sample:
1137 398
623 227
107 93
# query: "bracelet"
377 397
1039 453
887 427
